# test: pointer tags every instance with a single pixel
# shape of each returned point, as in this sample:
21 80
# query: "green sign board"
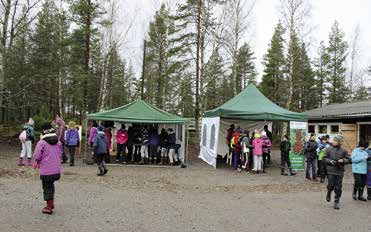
297 139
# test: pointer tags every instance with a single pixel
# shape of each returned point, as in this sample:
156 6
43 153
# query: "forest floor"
157 198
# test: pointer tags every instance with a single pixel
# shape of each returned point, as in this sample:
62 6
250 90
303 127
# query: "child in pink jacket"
257 145
48 156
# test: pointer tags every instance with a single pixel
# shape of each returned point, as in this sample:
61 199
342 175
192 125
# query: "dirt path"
198 198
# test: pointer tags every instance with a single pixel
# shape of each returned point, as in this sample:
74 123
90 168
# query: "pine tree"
361 94
321 72
309 91
337 53
273 84
245 69
214 74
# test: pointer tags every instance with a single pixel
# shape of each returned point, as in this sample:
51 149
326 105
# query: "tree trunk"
87 58
198 44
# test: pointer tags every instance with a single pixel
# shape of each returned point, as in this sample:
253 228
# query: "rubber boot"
48 209
20 161
29 162
283 173
328 196
292 173
360 194
354 195
369 194
336 205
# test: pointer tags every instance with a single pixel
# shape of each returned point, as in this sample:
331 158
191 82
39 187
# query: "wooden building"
352 120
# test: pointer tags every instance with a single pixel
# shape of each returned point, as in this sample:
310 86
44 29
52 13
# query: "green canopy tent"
140 112
247 107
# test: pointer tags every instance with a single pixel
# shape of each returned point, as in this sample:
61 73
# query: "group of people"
252 153
331 159
139 144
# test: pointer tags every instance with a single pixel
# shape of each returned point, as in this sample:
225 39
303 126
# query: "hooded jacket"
48 154
100 144
122 136
72 137
154 139
285 147
359 161
92 134
257 144
266 144
29 132
333 155
311 149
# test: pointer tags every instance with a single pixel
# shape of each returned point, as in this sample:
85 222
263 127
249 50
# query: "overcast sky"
349 13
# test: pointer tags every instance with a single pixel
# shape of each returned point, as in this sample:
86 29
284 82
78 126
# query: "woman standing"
72 141
359 169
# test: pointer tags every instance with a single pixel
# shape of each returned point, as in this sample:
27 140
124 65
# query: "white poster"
209 140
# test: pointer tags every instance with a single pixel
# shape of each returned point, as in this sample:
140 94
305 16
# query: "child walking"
321 151
336 158
27 138
257 145
100 147
285 147
359 169
72 141
48 155
245 146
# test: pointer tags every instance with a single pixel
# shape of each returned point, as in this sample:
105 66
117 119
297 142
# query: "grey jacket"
333 155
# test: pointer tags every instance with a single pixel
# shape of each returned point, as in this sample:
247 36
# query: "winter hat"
363 144
100 128
257 135
339 138
47 129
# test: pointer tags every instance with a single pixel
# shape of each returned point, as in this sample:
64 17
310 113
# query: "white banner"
209 140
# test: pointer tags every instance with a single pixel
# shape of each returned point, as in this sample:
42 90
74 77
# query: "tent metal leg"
86 141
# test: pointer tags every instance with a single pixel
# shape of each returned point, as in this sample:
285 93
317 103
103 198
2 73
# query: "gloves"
36 165
333 162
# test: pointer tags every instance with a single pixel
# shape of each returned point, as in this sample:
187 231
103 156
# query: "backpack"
23 136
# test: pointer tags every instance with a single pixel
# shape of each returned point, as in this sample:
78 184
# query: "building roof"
138 112
338 111
251 104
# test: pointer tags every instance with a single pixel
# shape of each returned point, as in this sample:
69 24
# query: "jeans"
48 185
311 165
335 182
121 148
71 150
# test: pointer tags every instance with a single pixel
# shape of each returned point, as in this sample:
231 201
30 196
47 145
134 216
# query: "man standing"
336 157
311 155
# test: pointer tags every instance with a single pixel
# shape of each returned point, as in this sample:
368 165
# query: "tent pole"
186 148
86 140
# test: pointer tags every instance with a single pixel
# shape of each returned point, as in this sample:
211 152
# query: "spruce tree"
245 69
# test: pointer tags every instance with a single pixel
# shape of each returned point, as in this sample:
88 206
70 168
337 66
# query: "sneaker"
328 196
336 205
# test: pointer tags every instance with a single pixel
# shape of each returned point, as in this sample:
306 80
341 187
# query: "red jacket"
122 136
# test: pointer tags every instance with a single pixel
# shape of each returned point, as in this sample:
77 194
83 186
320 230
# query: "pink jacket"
48 154
266 144
93 134
122 136
257 144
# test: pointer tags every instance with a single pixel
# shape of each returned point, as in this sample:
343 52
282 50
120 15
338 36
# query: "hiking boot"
354 195
29 162
336 205
20 162
328 196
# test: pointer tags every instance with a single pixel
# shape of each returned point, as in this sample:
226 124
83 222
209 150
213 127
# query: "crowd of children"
250 153
140 144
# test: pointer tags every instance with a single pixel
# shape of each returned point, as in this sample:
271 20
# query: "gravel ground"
152 198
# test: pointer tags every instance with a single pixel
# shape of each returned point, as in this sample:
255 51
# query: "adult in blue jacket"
100 147
359 169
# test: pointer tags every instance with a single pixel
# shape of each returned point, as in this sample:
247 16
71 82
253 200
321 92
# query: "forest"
66 56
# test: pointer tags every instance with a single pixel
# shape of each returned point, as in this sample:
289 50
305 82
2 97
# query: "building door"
365 132
350 134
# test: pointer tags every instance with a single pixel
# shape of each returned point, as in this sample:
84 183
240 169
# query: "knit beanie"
339 138
47 129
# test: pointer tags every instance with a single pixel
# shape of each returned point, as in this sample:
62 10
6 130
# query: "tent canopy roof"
251 104
137 112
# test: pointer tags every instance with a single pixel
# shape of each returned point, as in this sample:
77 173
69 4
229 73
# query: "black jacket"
311 149
333 154
285 148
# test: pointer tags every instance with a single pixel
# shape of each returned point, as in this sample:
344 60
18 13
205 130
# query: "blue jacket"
100 144
72 137
359 161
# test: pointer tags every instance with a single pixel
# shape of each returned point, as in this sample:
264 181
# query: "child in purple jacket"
48 155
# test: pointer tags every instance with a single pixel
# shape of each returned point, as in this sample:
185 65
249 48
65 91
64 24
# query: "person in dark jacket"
100 147
270 136
130 144
137 144
336 158
164 146
172 146
285 147
154 141
311 155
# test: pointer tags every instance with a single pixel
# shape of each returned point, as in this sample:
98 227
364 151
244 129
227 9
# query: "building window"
204 133
334 129
212 137
322 129
311 129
